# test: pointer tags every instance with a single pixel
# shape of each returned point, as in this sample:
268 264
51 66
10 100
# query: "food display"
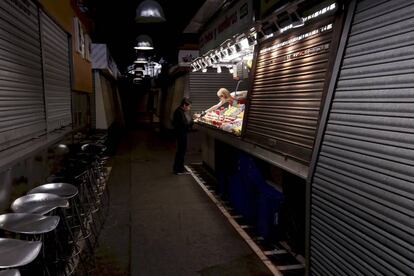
228 119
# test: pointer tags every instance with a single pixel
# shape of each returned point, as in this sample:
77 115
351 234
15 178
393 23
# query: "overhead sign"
235 20
185 57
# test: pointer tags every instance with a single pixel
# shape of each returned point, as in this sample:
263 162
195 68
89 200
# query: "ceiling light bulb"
229 51
244 43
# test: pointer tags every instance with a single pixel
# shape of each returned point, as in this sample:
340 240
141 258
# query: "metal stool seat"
15 253
93 148
31 227
64 190
61 149
10 272
39 203
26 223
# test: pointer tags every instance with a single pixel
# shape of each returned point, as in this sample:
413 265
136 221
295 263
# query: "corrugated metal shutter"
362 197
204 86
287 91
21 91
56 70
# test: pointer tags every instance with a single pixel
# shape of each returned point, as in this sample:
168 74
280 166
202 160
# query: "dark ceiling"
115 25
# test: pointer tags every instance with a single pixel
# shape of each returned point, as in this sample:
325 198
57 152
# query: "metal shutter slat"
56 74
21 92
362 188
287 91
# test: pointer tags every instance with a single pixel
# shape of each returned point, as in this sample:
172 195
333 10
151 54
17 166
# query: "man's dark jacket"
180 122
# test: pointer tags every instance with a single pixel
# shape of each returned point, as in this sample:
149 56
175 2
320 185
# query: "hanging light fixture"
137 80
141 59
149 11
144 42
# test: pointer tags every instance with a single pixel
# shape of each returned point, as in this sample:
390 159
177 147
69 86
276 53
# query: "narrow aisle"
163 224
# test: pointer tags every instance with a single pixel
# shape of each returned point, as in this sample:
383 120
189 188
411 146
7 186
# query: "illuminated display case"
229 118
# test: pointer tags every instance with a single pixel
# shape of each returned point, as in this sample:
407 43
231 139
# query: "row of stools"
54 228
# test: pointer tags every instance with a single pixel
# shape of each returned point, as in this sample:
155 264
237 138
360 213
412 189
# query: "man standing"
182 122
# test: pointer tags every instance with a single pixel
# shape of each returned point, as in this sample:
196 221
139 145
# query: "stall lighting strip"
312 16
221 57
298 38
320 12
262 256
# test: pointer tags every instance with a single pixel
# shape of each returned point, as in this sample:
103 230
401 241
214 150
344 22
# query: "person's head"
223 94
185 104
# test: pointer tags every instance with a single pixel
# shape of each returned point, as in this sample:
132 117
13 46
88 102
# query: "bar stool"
95 151
94 148
77 172
39 203
17 253
44 203
64 190
61 149
27 223
69 192
73 219
33 226
10 272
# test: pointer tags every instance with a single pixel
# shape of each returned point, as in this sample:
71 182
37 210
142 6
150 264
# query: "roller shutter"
22 114
56 70
289 80
204 86
362 192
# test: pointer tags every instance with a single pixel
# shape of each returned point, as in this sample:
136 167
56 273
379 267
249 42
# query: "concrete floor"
163 224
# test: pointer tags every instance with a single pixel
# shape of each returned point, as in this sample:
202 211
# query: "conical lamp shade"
144 42
149 11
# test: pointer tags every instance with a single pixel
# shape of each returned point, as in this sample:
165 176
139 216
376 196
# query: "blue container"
251 171
249 201
236 193
268 217
222 185
250 181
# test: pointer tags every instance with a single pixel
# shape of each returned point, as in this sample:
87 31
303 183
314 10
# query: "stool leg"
75 247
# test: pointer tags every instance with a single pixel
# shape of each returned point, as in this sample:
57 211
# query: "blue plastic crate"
268 217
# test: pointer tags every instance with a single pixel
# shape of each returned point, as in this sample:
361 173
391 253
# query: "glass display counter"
229 119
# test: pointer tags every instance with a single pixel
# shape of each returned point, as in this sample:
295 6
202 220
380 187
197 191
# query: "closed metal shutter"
288 85
22 114
362 193
204 86
56 70
82 106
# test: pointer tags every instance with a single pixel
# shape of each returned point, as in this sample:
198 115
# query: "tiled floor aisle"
163 224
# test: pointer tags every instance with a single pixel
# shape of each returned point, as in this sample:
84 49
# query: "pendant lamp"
141 59
144 42
149 11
